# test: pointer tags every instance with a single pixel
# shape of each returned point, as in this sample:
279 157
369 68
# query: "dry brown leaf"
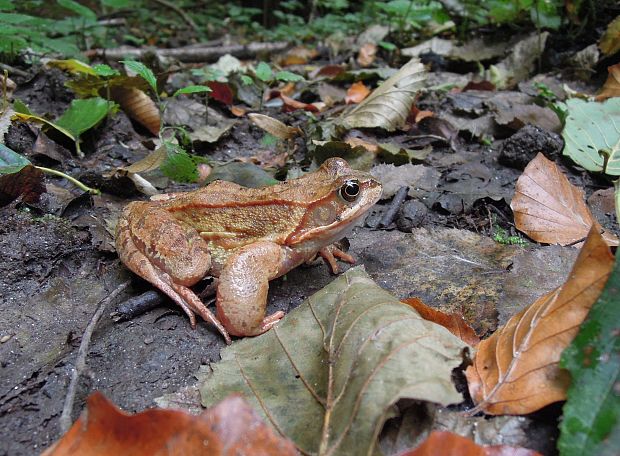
516 371
291 104
356 93
139 106
329 71
229 428
367 55
299 55
238 111
150 162
610 41
27 183
447 443
273 126
611 88
549 209
354 142
453 322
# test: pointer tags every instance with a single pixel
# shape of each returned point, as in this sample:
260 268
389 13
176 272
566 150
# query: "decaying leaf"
139 106
515 371
274 126
388 105
549 209
592 135
610 41
447 443
453 322
367 55
327 374
150 162
356 93
591 415
611 88
229 428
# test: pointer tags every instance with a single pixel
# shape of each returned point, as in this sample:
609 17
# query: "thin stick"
14 70
80 361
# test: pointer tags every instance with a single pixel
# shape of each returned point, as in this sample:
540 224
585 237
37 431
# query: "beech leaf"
592 135
389 104
327 374
138 106
611 88
231 427
274 126
549 209
447 443
591 420
515 371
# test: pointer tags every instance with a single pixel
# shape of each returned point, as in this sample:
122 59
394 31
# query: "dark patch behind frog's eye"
350 190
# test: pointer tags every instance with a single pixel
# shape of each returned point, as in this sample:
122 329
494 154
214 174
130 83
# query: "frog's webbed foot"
329 255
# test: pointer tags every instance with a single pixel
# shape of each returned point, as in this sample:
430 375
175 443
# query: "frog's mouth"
328 234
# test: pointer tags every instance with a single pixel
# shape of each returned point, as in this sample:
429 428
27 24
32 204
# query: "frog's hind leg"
172 257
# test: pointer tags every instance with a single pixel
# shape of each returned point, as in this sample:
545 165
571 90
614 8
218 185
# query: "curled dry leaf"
367 55
453 322
229 428
291 104
549 209
447 443
273 126
356 93
139 106
516 371
611 88
389 104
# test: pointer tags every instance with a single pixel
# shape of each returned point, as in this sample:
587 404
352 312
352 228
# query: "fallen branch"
80 361
193 54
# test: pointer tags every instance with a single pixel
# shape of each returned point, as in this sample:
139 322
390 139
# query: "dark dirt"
57 264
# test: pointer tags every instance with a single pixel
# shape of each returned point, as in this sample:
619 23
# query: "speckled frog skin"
244 237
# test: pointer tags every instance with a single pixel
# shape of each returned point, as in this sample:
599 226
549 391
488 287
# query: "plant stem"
617 198
73 180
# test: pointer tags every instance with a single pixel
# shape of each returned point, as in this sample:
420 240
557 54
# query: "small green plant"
501 236
547 98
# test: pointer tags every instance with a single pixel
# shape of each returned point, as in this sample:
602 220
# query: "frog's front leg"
243 286
173 257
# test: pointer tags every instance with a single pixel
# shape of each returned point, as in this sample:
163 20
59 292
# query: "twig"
80 361
137 305
391 212
193 54
17 71
180 12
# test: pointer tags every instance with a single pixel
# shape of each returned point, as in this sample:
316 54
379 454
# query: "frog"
242 237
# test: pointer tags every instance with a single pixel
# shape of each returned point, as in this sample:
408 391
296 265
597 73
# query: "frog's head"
341 197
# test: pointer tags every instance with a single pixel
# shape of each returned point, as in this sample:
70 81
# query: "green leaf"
105 71
387 45
143 71
20 107
78 9
389 104
117 3
6 5
263 72
84 114
328 373
193 89
73 66
179 165
592 135
287 76
246 80
11 162
591 422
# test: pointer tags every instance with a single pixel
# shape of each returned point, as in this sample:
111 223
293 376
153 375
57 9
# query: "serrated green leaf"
84 114
592 135
143 71
78 9
328 373
193 89
389 104
264 72
591 421
10 161
287 76
179 166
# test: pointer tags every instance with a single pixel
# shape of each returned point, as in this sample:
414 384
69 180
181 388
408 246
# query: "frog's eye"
350 190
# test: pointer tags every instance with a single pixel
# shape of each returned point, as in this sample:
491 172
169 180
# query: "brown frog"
244 237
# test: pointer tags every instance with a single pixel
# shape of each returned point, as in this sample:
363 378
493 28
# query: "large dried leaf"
447 443
516 370
610 41
548 208
388 105
591 421
139 106
274 126
327 375
230 428
611 88
592 135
